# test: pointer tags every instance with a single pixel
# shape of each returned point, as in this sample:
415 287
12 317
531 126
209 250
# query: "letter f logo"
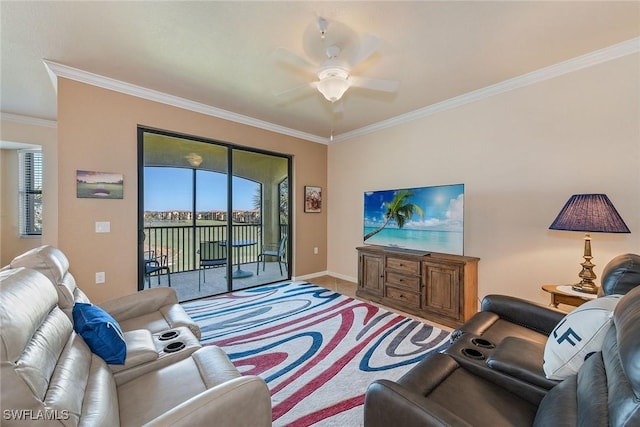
569 335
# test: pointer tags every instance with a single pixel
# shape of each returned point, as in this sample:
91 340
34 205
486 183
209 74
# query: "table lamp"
589 213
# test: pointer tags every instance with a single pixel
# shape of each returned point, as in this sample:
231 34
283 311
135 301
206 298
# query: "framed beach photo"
99 185
312 199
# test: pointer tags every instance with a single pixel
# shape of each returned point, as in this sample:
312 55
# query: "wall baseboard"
310 276
326 273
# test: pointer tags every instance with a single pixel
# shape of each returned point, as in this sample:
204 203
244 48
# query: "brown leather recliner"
50 377
504 316
442 391
509 334
620 275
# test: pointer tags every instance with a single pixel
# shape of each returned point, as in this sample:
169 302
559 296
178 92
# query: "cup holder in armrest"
174 346
472 353
169 335
481 342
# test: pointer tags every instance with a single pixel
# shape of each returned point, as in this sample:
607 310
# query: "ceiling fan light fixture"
333 83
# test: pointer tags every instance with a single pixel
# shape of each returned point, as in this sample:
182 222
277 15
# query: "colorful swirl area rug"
316 349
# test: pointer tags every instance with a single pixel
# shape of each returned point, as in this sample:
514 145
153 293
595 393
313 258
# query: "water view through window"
211 216
168 196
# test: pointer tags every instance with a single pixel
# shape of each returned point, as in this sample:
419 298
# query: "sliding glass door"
212 217
260 225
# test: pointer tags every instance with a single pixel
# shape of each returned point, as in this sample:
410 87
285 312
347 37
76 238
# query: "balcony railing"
180 243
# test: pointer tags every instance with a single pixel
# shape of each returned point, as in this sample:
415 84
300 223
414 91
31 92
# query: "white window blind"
30 192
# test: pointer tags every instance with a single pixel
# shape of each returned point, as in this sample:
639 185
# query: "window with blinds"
30 192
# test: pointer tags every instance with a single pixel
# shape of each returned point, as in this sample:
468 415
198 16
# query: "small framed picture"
312 199
99 185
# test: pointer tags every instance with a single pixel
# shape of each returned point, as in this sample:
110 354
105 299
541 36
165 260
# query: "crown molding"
27 120
584 61
578 63
64 71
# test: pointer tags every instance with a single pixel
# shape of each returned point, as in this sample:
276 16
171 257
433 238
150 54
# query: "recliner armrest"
531 315
138 304
242 401
140 349
521 359
388 403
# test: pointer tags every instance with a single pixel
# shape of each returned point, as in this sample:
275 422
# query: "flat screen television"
429 219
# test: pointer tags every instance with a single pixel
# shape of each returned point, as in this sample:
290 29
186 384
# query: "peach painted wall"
45 136
97 131
521 155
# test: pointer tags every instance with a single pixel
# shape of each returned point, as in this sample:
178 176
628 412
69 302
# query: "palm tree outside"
398 210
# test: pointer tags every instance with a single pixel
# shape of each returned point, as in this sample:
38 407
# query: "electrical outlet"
100 277
315 250
103 227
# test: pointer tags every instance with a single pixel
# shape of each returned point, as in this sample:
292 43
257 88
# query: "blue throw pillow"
101 332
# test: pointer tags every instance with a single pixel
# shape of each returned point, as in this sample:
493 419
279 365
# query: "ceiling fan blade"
295 93
292 59
368 46
374 84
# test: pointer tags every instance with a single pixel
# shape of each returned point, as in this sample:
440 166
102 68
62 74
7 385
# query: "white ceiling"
221 54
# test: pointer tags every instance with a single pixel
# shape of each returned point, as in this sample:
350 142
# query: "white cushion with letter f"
579 335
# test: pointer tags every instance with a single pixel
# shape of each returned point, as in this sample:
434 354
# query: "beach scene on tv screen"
430 219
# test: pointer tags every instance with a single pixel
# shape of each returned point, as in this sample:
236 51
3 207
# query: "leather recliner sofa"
155 309
509 334
442 391
152 320
504 316
51 377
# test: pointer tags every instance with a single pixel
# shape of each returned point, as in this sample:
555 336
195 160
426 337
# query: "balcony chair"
273 250
212 254
156 266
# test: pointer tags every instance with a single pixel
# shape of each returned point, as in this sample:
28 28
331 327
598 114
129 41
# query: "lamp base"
586 285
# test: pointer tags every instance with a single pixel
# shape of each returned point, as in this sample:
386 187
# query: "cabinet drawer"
400 264
404 281
402 296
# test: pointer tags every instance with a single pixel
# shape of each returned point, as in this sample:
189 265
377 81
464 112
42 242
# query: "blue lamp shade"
590 213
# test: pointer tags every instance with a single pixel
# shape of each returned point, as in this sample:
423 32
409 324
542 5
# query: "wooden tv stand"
438 287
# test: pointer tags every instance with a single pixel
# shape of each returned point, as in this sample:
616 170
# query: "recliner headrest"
46 259
51 262
620 275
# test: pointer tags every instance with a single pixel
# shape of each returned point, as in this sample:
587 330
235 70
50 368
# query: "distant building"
239 216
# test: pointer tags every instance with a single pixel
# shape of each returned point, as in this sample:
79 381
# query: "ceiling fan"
336 50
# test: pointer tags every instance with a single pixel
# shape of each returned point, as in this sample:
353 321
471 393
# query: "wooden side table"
563 294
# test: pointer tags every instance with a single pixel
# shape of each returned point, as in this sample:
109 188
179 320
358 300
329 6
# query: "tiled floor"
191 285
